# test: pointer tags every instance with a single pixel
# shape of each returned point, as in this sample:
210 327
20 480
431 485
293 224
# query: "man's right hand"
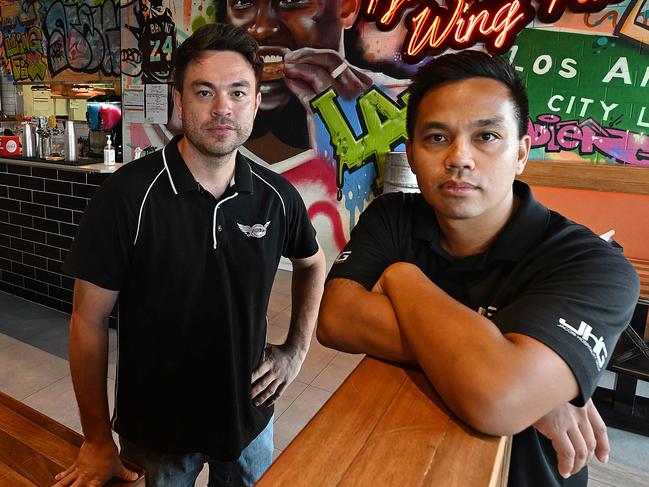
576 433
309 72
96 464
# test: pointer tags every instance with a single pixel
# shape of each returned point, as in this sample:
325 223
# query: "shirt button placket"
219 228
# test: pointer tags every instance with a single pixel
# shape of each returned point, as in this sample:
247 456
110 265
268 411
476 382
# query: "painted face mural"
334 90
285 30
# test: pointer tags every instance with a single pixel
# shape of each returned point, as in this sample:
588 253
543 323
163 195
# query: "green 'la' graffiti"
383 123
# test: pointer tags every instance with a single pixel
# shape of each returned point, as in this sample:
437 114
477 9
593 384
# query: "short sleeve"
578 308
373 245
300 241
101 249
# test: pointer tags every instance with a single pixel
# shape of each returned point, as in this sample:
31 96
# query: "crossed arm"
490 380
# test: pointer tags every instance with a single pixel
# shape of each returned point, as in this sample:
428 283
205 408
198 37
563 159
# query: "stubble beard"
213 148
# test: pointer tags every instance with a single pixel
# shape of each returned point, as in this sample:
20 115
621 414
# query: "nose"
459 156
266 21
221 105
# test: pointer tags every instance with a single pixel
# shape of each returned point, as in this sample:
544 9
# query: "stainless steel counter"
88 168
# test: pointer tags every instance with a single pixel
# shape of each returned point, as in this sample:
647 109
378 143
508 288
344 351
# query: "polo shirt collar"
526 227
182 180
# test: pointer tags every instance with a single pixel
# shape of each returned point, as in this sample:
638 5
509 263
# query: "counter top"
386 426
92 166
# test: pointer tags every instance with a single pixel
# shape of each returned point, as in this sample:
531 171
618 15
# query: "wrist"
99 437
103 447
296 347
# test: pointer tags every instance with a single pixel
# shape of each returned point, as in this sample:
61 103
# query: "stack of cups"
28 140
70 142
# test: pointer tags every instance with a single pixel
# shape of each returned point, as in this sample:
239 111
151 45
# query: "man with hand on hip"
189 238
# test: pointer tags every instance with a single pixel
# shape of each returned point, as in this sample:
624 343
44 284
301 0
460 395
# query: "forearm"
490 380
88 365
355 320
307 283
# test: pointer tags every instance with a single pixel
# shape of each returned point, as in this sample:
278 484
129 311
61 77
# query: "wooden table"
34 448
386 426
621 407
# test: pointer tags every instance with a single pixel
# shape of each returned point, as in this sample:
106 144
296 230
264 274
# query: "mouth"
273 57
220 128
458 188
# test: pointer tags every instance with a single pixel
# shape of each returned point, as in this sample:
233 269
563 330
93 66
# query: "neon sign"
432 28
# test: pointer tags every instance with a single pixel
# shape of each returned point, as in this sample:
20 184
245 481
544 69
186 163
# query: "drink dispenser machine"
104 116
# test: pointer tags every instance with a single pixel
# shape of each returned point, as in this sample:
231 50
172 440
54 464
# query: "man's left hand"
277 370
576 433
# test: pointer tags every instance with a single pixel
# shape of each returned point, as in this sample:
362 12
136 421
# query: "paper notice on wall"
133 99
156 103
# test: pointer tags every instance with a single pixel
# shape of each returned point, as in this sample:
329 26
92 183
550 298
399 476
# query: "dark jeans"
172 470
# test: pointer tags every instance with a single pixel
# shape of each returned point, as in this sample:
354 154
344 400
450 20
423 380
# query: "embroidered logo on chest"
257 230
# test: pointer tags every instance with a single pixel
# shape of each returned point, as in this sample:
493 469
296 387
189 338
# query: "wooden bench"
34 448
386 426
621 407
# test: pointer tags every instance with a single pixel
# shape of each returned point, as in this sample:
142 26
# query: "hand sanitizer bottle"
109 152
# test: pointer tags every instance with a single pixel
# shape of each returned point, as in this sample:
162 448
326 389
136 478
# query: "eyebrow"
235 84
482 122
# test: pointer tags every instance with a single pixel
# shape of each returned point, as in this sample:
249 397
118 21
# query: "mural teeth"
272 58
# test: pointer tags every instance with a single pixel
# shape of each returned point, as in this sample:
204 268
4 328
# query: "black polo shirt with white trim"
544 276
194 276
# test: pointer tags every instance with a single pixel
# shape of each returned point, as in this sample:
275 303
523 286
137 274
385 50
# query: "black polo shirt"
544 276
194 276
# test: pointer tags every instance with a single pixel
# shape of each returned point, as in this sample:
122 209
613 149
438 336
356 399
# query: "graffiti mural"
23 55
83 38
21 12
596 84
329 135
154 29
587 137
634 25
383 128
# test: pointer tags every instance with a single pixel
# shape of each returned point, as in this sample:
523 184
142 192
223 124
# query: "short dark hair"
464 65
216 37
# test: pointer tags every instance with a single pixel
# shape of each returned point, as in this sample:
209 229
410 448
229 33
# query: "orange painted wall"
627 214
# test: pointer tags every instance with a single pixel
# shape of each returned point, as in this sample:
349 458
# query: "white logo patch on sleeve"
342 257
583 333
257 230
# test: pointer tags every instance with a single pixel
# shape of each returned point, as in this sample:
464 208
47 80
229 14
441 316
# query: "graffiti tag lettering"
589 137
83 38
24 56
383 123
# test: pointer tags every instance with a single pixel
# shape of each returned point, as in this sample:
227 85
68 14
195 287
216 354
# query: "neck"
463 238
213 173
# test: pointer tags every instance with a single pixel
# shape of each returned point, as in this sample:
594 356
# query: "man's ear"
348 11
411 160
178 102
524 146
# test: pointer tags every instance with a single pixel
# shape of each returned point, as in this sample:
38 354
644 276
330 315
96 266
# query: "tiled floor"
34 369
